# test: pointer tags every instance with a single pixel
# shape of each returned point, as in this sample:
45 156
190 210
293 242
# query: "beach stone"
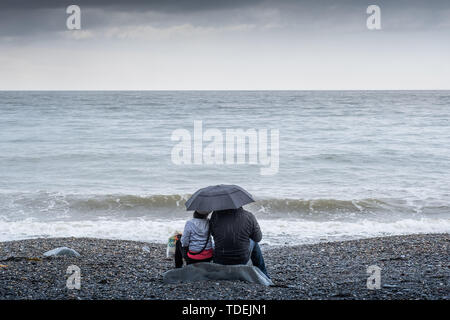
62 251
212 271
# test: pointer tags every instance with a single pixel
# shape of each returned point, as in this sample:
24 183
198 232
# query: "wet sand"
412 267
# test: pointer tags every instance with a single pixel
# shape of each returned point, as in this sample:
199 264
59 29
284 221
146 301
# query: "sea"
121 164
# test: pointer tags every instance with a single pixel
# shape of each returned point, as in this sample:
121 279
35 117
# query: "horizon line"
203 90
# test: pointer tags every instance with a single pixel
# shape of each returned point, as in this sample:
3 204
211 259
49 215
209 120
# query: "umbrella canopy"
220 197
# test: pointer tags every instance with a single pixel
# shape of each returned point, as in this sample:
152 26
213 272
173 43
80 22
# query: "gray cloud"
158 5
200 5
36 18
238 44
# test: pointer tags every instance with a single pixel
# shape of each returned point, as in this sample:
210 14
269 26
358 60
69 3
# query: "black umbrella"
220 197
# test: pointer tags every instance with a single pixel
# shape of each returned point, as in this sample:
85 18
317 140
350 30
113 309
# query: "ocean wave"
155 217
33 204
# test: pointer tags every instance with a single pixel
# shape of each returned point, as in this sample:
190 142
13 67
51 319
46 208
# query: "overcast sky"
224 45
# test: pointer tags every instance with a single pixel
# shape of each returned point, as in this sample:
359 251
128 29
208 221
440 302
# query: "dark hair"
200 216
229 210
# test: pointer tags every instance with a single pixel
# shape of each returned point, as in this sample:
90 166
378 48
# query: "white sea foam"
276 232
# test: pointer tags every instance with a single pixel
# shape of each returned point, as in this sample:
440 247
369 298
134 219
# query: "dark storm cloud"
198 5
38 17
158 5
31 17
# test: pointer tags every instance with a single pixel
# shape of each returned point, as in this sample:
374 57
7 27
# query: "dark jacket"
232 230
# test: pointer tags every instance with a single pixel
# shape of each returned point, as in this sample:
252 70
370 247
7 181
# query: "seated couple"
236 234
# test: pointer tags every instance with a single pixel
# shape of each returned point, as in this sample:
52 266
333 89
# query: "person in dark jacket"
236 235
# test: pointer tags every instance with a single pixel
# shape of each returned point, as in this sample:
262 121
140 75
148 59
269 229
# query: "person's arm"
186 237
256 234
212 222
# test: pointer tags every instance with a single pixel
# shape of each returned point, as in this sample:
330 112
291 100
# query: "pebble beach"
412 267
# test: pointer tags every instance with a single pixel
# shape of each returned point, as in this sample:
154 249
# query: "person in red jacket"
195 243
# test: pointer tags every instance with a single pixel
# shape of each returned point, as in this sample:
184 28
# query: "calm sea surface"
98 164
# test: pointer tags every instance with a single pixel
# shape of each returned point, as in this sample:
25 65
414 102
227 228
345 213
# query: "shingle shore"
412 267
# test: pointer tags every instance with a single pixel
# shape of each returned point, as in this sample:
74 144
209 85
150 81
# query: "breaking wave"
61 205
155 217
